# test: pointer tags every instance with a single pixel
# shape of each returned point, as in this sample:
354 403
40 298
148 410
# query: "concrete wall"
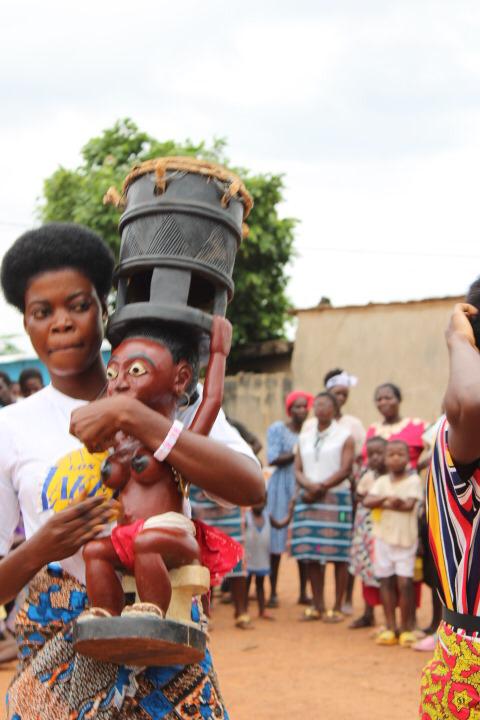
257 400
399 342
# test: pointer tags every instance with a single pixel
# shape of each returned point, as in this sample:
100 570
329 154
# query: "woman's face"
387 403
299 409
341 394
324 410
145 370
63 317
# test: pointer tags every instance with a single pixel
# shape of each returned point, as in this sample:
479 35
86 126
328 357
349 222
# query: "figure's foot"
95 612
387 637
304 600
143 608
273 602
427 644
407 639
266 616
310 614
244 622
364 621
347 608
333 616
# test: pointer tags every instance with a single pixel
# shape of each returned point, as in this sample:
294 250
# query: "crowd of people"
349 496
339 494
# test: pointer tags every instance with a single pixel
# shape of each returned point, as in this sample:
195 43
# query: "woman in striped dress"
322 521
451 680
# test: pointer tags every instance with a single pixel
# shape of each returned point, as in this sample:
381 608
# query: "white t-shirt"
34 434
321 453
394 526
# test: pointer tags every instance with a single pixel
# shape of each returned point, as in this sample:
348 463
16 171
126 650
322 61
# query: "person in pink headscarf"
281 441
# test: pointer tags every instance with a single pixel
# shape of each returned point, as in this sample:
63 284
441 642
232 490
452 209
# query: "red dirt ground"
289 669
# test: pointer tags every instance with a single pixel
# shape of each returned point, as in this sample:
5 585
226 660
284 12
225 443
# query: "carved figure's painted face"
145 370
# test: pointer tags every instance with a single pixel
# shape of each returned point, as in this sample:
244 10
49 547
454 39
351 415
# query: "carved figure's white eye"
137 369
112 372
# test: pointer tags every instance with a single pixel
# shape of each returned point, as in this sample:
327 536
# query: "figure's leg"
406 602
238 585
316 574
303 598
341 579
389 600
104 589
156 551
274 567
259 584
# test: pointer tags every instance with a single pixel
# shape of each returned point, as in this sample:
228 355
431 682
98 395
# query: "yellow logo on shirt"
77 472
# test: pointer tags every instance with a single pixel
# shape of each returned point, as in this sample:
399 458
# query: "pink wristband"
172 436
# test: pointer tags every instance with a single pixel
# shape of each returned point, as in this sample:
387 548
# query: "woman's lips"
65 348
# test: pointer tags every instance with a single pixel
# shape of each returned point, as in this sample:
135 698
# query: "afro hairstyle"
55 246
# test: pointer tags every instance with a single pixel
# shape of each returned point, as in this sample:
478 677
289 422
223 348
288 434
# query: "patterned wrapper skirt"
451 680
229 520
323 531
54 683
361 550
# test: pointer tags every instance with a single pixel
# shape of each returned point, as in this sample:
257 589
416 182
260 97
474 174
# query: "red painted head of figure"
158 366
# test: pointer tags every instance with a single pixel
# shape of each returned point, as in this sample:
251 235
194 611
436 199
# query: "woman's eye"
112 373
40 313
137 369
82 306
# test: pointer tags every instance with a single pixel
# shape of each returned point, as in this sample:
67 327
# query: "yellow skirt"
451 680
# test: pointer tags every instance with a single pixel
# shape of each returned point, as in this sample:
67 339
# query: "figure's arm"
279 524
344 470
220 343
404 505
202 461
300 476
462 399
375 501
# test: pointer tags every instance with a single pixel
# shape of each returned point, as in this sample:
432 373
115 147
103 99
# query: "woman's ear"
183 378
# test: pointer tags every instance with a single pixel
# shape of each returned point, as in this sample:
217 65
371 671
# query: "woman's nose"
62 322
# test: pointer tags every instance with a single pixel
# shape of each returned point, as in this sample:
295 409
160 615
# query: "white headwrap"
342 378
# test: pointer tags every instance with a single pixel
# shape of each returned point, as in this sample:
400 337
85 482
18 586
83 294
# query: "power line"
375 251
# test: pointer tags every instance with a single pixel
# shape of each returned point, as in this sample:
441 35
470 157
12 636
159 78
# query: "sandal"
244 622
311 614
333 616
387 637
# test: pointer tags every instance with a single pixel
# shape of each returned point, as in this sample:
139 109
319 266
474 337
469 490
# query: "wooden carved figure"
153 534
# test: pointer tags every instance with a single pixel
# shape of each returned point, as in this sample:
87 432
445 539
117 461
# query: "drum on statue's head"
182 224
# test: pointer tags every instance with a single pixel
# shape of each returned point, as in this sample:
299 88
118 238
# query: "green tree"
259 310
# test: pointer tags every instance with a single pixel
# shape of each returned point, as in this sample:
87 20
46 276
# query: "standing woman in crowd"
338 382
388 398
59 276
322 521
281 440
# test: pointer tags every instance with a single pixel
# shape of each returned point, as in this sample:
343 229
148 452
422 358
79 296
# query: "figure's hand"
221 336
67 531
97 423
460 323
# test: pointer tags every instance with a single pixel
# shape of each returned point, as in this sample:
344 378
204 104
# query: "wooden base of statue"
148 640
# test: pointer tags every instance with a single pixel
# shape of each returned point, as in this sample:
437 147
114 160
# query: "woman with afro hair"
59 277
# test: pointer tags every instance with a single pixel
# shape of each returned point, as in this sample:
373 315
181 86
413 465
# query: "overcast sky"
371 110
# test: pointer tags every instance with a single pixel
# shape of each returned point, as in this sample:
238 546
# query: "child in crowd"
395 497
258 524
362 548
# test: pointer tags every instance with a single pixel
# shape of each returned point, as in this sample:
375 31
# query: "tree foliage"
259 310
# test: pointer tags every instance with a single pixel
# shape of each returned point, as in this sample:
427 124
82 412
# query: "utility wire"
374 251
